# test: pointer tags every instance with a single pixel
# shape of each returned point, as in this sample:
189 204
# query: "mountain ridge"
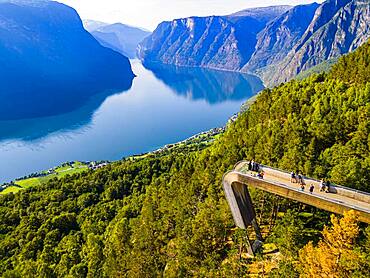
53 53
120 37
339 27
279 36
213 42
276 46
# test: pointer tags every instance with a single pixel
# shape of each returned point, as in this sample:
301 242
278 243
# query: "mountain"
220 42
47 58
119 37
262 14
337 28
276 43
92 25
280 36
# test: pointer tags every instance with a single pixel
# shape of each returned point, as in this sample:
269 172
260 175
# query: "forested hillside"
166 215
354 67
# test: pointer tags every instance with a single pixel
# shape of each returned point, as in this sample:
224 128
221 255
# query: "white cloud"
149 13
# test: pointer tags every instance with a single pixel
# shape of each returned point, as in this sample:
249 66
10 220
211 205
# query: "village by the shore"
204 138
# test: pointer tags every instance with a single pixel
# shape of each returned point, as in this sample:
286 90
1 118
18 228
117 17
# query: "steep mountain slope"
280 35
276 43
338 27
120 37
110 40
43 45
323 67
214 42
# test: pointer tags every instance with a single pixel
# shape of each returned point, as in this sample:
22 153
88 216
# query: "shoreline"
200 140
203 138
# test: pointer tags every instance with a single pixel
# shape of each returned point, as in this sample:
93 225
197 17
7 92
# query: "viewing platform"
338 200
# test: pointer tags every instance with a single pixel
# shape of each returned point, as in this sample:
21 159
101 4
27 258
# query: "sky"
149 13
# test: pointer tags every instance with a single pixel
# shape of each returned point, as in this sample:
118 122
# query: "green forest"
166 214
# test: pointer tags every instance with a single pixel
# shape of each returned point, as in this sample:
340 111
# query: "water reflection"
35 128
33 107
24 95
160 108
212 85
33 111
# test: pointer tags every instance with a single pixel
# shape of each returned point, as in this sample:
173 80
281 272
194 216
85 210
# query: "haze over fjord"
140 13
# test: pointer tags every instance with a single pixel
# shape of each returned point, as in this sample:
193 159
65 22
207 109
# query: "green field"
29 182
60 172
10 189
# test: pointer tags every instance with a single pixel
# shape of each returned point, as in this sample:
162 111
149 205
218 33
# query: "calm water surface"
164 105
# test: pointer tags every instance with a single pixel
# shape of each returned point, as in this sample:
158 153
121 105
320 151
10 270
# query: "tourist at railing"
322 185
250 165
327 185
295 177
292 177
253 166
300 179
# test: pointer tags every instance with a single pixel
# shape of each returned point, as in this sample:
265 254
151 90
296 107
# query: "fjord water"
164 105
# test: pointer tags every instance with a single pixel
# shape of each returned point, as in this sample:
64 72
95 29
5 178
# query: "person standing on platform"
322 185
252 165
292 177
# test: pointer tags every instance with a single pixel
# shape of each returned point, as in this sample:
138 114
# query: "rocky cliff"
276 43
221 42
277 39
337 28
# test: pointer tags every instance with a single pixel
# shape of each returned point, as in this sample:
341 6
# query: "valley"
131 153
137 213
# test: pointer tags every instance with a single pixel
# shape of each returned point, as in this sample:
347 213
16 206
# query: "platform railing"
333 185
